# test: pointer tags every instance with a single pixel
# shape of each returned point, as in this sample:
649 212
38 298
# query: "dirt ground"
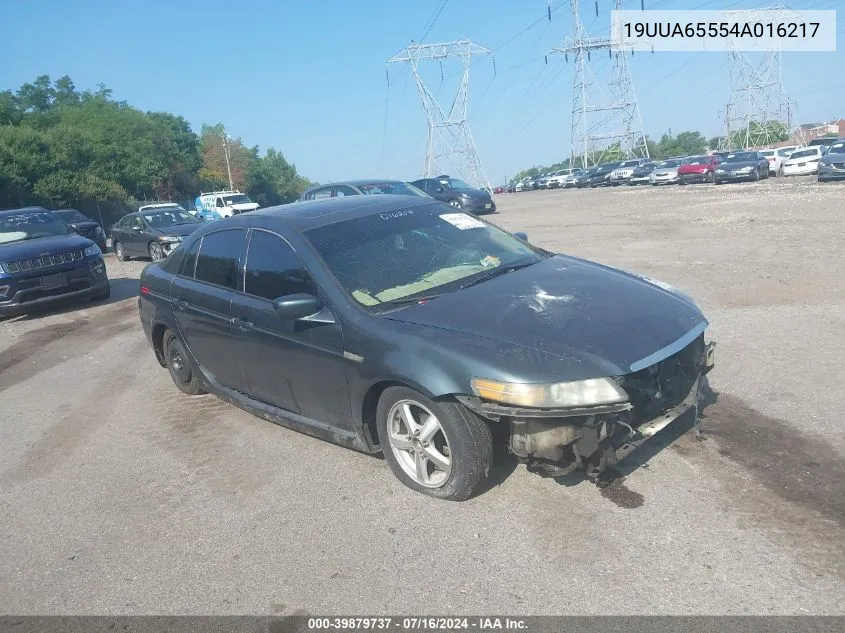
119 495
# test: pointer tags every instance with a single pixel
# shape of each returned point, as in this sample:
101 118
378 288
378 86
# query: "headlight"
720 171
170 239
93 250
580 393
743 169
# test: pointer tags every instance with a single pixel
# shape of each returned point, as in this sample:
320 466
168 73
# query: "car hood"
691 169
599 320
29 249
738 165
181 230
79 226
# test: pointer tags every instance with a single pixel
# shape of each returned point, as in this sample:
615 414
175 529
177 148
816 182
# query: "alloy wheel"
156 252
419 443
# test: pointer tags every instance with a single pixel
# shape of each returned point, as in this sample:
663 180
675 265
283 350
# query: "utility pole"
603 113
759 110
228 166
450 143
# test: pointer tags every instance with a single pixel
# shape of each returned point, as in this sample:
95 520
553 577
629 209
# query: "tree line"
62 147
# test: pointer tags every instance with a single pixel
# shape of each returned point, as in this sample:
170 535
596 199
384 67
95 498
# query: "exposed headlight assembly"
93 250
579 393
169 239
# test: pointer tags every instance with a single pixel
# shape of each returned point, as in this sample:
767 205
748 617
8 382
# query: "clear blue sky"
308 77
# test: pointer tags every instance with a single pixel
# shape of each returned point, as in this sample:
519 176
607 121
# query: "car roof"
309 214
355 183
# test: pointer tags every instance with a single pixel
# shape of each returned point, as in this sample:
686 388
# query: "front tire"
455 204
120 253
441 449
180 367
156 251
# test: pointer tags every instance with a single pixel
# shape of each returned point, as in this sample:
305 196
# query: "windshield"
429 252
395 188
30 225
240 198
768 152
837 148
457 183
168 217
72 216
670 163
742 157
803 153
698 160
630 163
786 152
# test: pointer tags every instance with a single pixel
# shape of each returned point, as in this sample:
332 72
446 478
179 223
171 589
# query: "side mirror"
298 306
521 236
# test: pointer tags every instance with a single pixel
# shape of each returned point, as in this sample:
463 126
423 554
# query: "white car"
802 161
776 156
666 172
559 178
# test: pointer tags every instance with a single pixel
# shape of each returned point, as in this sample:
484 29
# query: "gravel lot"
119 495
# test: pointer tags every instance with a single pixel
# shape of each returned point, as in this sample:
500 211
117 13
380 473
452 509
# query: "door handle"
242 324
180 304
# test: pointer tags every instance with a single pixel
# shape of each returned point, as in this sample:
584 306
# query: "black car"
42 261
84 225
152 232
583 179
404 326
832 164
741 166
640 174
361 187
456 193
601 176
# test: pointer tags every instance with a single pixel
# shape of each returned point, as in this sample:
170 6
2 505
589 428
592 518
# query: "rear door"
294 365
202 297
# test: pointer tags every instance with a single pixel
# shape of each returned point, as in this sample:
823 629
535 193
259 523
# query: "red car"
698 169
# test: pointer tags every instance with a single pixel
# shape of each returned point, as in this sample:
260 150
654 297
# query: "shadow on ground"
122 288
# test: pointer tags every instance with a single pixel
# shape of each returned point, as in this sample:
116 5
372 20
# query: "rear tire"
180 367
458 441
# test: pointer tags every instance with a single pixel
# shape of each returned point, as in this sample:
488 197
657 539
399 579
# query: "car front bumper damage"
593 440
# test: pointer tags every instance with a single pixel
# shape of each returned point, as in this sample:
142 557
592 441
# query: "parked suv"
42 261
401 326
625 170
84 225
456 193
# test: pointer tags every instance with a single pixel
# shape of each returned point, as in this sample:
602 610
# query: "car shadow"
641 457
122 288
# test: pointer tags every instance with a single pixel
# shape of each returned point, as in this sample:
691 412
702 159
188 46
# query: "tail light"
145 290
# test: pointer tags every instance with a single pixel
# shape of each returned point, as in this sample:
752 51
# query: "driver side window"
137 223
273 269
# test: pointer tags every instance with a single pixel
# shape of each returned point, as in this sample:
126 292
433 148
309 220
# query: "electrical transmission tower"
450 143
605 115
759 112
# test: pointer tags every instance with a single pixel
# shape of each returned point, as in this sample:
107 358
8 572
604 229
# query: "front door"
295 365
136 243
202 298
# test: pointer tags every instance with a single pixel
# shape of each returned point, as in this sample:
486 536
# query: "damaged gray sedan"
399 325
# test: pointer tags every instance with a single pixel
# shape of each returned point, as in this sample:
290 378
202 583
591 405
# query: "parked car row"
825 160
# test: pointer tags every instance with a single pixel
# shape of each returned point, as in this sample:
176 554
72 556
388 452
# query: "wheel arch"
157 336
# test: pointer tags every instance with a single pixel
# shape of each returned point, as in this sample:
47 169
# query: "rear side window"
217 261
274 270
189 259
